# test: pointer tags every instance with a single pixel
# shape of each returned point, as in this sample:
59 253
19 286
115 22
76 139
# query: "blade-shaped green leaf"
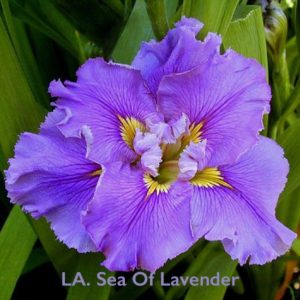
263 281
116 5
30 66
19 111
210 250
37 258
297 24
209 264
296 247
293 60
24 53
186 7
171 6
63 259
290 141
139 27
100 23
215 14
156 10
43 16
288 209
14 250
246 34
88 266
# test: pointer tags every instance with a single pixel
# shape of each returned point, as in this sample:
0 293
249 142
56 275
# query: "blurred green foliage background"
45 39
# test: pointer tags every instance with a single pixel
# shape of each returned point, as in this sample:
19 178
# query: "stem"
81 54
292 104
281 92
273 132
281 84
157 13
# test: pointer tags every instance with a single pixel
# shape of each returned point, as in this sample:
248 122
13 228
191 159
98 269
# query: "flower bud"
275 29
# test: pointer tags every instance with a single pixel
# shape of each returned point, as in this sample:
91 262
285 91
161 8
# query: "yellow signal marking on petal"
96 173
195 132
154 186
208 178
128 128
194 136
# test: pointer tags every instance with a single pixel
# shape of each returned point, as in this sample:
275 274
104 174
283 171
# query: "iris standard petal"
178 52
135 229
243 216
110 100
225 97
50 176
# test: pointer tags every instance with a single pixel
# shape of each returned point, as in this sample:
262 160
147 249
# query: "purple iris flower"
141 161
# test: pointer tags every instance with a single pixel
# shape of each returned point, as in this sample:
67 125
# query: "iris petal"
178 52
243 217
228 95
51 177
127 225
108 99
